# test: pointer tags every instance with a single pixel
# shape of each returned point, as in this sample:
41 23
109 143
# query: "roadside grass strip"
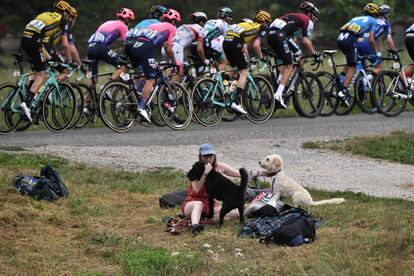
111 225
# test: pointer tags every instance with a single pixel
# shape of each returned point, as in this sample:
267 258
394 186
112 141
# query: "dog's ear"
196 171
277 162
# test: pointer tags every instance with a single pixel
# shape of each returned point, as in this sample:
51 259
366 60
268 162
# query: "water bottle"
226 86
193 72
233 86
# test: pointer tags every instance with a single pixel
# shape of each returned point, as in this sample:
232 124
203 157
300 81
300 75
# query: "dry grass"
113 217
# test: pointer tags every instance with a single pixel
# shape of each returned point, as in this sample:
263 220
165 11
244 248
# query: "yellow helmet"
372 9
62 5
262 16
73 12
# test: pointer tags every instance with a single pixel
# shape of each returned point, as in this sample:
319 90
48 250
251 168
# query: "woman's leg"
193 210
230 215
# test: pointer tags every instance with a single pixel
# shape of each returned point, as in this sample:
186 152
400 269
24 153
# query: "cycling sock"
140 85
143 102
239 91
280 90
29 98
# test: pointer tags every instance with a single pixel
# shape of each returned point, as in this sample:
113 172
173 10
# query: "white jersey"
410 30
215 28
188 33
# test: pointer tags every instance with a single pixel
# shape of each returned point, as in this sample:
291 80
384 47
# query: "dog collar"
273 174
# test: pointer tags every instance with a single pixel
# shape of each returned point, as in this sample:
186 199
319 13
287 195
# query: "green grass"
397 147
111 224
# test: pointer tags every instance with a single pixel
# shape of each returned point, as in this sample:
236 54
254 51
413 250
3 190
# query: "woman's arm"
227 170
198 184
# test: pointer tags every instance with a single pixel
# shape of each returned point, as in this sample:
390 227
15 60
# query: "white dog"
284 186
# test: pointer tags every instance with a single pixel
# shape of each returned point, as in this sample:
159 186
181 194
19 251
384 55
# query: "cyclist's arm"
390 42
200 49
75 54
308 43
170 53
246 50
371 39
257 48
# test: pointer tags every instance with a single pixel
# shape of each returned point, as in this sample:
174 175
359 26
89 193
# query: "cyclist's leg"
178 50
347 44
217 52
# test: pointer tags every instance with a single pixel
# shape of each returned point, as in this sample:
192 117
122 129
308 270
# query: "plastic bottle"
233 86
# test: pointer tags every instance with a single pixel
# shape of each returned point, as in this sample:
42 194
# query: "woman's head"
207 153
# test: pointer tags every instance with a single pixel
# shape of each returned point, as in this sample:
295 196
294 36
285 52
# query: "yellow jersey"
247 31
46 25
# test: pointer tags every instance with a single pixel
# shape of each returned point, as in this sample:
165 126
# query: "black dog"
223 189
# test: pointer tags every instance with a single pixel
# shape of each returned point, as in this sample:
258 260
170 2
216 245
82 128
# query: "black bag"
49 186
296 228
173 199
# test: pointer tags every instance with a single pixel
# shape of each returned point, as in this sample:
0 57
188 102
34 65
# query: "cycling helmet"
262 16
171 14
309 7
125 13
225 13
157 11
198 16
372 9
62 6
247 20
385 10
73 12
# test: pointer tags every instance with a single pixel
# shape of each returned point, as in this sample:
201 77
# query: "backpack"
48 186
173 199
265 205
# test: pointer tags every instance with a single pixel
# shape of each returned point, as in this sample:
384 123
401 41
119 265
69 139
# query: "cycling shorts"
409 43
279 42
347 44
233 48
99 51
34 49
141 53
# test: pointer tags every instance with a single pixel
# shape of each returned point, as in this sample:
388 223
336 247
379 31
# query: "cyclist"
45 25
347 40
235 46
185 36
383 28
156 13
107 33
140 49
409 43
215 30
281 32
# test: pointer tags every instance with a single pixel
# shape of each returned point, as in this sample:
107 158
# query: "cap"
206 149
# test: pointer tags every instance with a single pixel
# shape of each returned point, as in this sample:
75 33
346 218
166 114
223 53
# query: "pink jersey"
165 32
109 31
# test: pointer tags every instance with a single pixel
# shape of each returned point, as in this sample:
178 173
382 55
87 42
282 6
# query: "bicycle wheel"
156 118
205 111
389 93
59 107
77 90
258 99
308 96
90 107
230 115
174 104
329 89
363 91
344 108
10 114
118 107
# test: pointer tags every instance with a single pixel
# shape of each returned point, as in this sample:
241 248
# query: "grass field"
111 225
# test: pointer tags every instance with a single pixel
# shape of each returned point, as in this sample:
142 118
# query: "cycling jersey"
409 41
410 30
186 34
109 31
360 25
294 24
214 28
145 23
56 38
156 33
364 47
247 31
45 25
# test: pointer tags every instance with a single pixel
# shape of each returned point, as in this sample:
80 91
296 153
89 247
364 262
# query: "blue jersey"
144 24
360 25
383 28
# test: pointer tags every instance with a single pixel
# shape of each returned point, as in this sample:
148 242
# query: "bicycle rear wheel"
258 99
77 90
10 114
308 96
90 106
59 107
118 107
205 111
389 93
363 91
329 89
174 104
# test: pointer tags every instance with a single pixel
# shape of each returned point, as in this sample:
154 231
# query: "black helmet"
157 11
225 13
198 16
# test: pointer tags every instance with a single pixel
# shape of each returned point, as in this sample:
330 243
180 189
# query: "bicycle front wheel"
10 114
174 104
389 93
258 99
77 90
363 91
308 96
118 107
208 102
329 89
59 107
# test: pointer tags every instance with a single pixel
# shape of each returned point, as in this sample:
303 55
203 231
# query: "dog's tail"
244 179
328 201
